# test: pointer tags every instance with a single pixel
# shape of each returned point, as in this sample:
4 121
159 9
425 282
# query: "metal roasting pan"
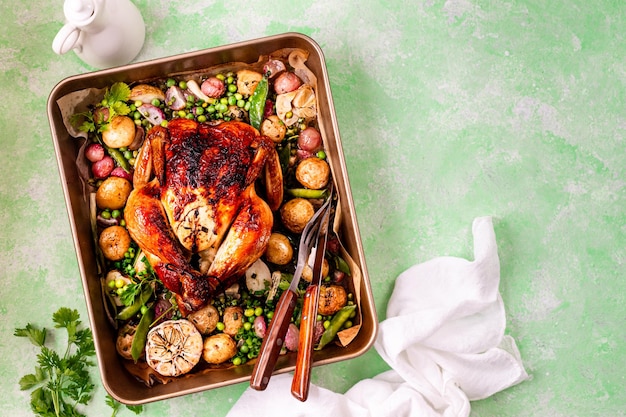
117 381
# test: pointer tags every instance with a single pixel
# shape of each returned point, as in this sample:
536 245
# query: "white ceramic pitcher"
103 33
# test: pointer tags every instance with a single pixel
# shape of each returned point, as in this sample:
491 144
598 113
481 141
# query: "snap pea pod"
257 102
130 311
118 157
336 323
307 193
141 334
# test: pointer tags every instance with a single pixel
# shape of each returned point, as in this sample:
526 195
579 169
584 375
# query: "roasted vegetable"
218 348
173 347
296 213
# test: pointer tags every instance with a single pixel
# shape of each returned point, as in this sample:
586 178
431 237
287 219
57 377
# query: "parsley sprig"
114 103
61 381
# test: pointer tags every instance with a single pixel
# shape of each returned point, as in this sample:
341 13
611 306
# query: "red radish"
94 152
102 168
273 67
286 83
310 139
121 172
259 326
213 87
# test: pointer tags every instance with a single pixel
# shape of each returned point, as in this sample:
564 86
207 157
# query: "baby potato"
114 241
313 173
296 213
279 250
307 272
205 319
274 128
124 341
233 320
332 299
119 133
247 81
218 348
113 193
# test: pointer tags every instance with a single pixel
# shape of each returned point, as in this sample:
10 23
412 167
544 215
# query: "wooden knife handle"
273 341
302 375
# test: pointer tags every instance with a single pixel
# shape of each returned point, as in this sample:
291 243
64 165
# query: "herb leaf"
117 92
36 336
61 381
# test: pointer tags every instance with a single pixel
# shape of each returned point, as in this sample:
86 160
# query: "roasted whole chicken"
194 209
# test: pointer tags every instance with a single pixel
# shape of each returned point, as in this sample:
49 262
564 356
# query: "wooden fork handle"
302 375
273 341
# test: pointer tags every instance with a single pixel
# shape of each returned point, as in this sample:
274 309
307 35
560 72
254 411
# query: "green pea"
220 77
258 311
241 103
115 214
220 326
244 349
164 123
211 109
247 326
190 116
202 118
232 101
138 103
199 110
106 214
183 85
230 80
182 113
232 88
236 361
156 102
123 223
170 82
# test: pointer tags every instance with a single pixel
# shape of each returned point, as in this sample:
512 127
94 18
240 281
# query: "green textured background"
448 111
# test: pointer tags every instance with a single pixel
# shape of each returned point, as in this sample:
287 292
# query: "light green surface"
448 111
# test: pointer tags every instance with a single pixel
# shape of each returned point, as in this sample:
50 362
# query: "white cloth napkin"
443 338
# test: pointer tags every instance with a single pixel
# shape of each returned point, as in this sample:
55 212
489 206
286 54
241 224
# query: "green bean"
141 334
257 103
335 325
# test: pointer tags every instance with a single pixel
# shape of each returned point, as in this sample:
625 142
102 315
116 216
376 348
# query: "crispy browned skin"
201 200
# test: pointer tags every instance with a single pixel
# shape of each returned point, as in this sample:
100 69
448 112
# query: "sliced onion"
152 113
175 98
